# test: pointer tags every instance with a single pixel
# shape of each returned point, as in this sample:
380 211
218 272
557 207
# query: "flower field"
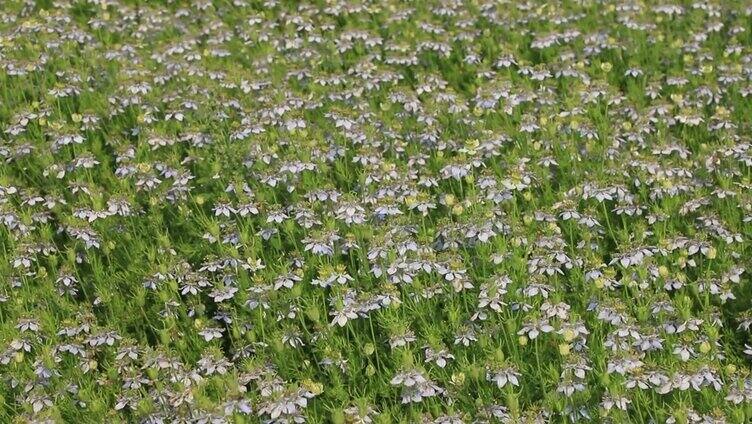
361 211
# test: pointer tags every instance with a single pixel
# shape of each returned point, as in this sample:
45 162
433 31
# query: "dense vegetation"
375 211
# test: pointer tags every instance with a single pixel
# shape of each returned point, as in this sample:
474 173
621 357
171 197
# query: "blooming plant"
362 211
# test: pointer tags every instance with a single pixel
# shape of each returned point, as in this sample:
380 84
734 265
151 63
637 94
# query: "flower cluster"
361 211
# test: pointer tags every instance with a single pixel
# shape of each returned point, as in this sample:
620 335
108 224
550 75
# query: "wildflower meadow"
367 211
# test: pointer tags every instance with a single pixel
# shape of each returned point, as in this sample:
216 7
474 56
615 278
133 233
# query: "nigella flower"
223 209
649 342
108 338
559 310
534 328
336 361
360 414
466 335
318 246
448 419
293 339
402 339
502 376
211 333
285 405
28 324
67 285
576 366
286 280
386 209
415 386
456 276
576 414
569 386
439 357
456 171
492 293
276 216
421 202
38 401
747 349
623 364
127 351
341 316
349 244
211 364
267 233
633 72
739 391
620 402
